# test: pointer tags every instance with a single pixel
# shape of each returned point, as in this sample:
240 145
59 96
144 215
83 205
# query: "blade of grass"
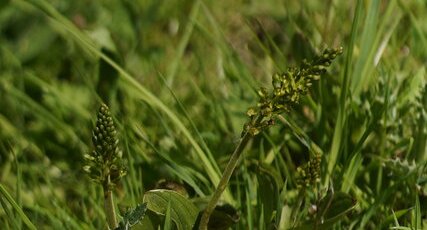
18 184
371 48
301 135
16 207
188 31
77 108
389 15
388 23
179 171
351 172
182 107
9 214
416 221
51 219
364 60
216 36
356 161
341 118
416 23
249 212
44 115
379 200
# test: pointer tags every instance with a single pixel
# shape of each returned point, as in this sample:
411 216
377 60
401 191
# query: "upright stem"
229 169
110 210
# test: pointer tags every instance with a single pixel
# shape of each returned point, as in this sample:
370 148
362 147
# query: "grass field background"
179 77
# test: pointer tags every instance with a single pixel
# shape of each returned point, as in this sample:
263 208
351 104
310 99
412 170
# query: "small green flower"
288 87
105 164
309 174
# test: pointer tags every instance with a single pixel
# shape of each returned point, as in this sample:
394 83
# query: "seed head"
288 87
309 174
104 164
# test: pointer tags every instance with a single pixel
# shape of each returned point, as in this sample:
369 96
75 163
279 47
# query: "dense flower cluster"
309 173
288 87
104 164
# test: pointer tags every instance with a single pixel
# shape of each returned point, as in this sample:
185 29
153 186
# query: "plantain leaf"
168 221
182 212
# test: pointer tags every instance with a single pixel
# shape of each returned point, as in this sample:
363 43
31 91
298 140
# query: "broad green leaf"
182 211
168 221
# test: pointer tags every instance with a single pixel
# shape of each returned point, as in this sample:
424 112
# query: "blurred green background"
179 77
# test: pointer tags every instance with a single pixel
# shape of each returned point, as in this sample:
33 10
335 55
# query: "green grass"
179 77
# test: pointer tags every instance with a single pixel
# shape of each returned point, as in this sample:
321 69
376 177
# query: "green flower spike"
288 87
105 164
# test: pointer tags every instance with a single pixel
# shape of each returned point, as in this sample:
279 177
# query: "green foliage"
182 212
330 210
15 206
132 217
178 77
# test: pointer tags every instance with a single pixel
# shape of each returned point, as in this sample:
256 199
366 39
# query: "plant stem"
229 169
110 211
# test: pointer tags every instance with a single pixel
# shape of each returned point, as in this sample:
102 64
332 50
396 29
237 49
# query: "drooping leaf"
182 211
